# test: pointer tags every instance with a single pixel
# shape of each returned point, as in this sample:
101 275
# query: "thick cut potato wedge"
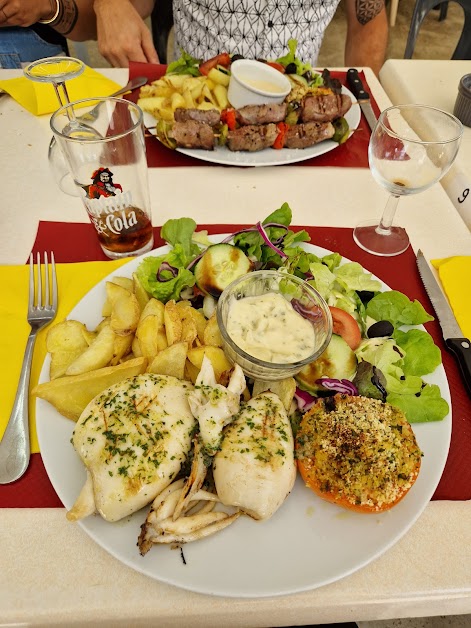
124 282
212 335
141 293
125 310
71 395
67 336
122 346
189 330
170 361
173 323
150 332
191 372
65 342
284 388
154 307
215 354
97 355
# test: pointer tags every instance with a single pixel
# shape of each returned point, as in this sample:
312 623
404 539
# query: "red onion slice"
344 386
304 400
165 266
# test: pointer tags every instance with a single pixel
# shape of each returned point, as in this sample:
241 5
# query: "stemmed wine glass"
411 148
57 70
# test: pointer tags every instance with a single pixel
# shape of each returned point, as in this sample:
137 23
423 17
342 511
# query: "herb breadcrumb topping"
358 452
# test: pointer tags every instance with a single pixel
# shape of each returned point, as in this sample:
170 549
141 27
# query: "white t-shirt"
253 28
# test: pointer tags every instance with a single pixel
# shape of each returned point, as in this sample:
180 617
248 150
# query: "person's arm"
121 32
74 19
367 34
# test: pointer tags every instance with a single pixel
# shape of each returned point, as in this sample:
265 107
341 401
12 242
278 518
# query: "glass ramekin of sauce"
273 324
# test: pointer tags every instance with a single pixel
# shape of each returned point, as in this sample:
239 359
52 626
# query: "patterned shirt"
253 28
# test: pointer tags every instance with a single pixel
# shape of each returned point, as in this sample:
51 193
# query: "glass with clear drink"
106 156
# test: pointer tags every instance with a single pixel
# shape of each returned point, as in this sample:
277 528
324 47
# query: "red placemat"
78 242
352 154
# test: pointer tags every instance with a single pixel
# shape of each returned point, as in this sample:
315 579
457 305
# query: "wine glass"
411 148
57 70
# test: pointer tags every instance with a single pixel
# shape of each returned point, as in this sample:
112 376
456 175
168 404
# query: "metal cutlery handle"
14 446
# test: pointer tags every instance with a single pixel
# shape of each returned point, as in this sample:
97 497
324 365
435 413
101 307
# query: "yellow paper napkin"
74 281
40 98
455 274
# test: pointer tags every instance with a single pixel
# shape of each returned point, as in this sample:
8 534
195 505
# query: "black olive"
291 68
308 76
262 60
380 329
236 57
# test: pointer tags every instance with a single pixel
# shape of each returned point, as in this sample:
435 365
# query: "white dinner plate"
306 544
267 157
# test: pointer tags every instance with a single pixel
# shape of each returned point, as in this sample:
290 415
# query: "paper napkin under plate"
74 281
454 274
40 98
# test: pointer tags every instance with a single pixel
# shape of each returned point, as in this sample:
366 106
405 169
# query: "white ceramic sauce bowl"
256 83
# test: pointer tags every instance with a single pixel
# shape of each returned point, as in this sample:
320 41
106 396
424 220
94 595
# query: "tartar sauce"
268 328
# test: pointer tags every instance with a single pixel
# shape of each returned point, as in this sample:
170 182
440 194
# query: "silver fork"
42 308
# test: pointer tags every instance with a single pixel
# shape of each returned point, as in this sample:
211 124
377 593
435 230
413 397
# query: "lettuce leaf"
419 407
179 231
422 356
186 64
353 276
395 307
165 290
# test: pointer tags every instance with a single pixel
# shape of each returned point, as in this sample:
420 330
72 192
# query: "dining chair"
161 23
421 9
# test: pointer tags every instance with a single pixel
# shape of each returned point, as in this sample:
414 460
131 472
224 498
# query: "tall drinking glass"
411 148
107 159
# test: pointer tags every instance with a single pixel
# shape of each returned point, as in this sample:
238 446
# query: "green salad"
389 365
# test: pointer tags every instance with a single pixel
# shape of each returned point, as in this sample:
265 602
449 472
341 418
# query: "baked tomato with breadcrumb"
357 452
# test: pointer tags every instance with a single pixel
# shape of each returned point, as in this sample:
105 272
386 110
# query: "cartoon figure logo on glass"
103 184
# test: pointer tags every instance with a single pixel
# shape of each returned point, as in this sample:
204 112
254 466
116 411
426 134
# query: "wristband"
54 17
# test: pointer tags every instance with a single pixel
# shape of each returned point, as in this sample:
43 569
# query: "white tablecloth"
50 571
435 83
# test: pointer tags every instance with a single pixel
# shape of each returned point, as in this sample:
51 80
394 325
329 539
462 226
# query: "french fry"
220 93
217 77
177 101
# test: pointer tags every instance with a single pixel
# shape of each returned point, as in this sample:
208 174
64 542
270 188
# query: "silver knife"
362 96
454 339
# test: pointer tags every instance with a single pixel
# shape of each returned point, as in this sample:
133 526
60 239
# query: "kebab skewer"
317 117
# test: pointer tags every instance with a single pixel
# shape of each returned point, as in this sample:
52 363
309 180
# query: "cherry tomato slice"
277 66
223 59
346 326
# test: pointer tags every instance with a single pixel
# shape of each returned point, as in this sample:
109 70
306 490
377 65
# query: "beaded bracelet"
54 17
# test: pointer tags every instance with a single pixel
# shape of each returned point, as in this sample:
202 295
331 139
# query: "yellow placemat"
40 98
74 281
455 275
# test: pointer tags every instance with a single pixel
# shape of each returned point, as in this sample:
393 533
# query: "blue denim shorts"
20 46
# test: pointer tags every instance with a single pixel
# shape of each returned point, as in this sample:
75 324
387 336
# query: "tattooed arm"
367 34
